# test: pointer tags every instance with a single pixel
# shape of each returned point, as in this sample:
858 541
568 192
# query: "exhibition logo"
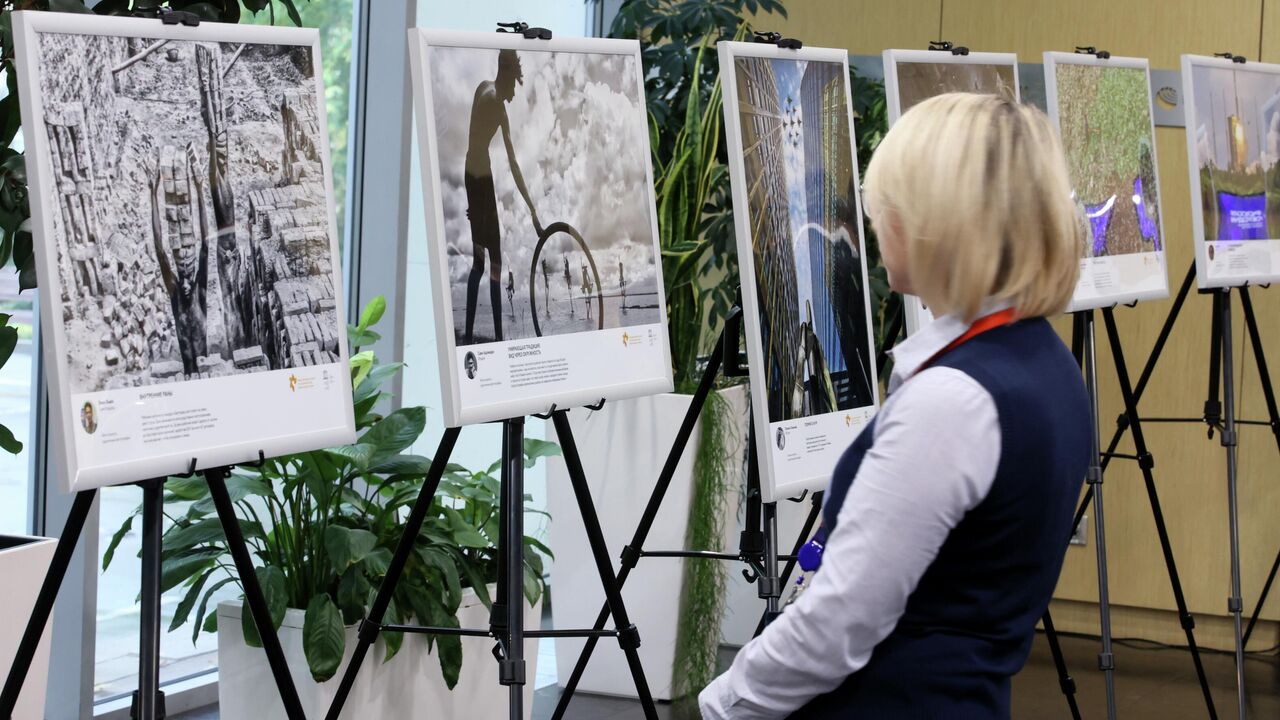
626 339
293 382
300 383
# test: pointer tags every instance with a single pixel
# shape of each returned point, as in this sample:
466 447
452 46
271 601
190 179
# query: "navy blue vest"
969 624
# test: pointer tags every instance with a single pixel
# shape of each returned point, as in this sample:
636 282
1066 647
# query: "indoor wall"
1190 469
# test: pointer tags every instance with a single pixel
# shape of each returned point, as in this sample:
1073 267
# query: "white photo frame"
534 373
799 452
1124 274
140 424
1249 254
915 314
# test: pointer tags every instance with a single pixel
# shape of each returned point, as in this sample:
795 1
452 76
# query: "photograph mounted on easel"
1102 107
544 234
1233 141
803 267
189 279
913 76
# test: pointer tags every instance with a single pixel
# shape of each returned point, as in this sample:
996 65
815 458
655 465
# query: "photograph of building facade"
798 162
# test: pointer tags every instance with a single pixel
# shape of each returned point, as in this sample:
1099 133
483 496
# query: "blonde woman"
946 521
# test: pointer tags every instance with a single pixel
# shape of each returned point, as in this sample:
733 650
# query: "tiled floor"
1150 683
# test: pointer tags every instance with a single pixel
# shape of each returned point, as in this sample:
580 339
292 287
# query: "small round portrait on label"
781 439
471 364
89 418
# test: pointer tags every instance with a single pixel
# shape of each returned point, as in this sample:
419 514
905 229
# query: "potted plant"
324 525
677 604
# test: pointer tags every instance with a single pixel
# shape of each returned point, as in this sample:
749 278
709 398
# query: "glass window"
15 405
116 664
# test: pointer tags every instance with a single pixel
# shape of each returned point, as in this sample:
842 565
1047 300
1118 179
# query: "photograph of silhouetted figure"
543 165
488 117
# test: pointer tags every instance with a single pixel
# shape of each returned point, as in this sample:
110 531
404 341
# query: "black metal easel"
757 545
506 619
148 700
1218 415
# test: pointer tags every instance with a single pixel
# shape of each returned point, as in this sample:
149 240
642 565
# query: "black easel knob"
1228 55
529 33
948 46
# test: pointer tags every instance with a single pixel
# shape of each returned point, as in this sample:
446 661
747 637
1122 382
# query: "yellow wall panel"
863 27
1139 28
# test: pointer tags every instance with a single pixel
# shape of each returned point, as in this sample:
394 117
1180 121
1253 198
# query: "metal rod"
404 549
1234 602
30 642
628 636
634 550
1106 659
1147 465
147 703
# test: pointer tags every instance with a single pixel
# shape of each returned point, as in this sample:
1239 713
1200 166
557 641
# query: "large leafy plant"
16 246
324 525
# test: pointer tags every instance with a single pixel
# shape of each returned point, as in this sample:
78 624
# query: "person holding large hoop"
488 116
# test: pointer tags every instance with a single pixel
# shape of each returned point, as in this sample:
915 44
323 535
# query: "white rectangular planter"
410 685
623 448
23 563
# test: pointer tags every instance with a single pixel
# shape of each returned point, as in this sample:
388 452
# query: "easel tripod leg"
216 478
815 511
631 554
148 701
66 547
1065 681
511 667
628 636
368 633
1234 602
1147 464
1106 658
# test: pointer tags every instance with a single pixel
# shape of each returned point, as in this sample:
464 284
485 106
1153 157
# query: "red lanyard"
986 323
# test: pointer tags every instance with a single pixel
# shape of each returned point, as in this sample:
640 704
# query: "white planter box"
23 564
623 448
411 685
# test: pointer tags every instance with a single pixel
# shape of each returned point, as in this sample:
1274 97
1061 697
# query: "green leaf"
110 554
71 6
394 640
361 364
372 312
353 593
535 449
359 454
272 581
180 538
174 570
8 341
394 433
8 442
323 638
188 601
347 546
377 562
202 622
403 465
27 275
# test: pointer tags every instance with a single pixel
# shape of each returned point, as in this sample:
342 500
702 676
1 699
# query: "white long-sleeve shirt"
934 458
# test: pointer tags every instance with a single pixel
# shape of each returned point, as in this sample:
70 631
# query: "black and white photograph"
191 210
183 208
545 192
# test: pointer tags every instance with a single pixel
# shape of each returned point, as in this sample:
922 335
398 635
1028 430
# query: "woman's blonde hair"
976 188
